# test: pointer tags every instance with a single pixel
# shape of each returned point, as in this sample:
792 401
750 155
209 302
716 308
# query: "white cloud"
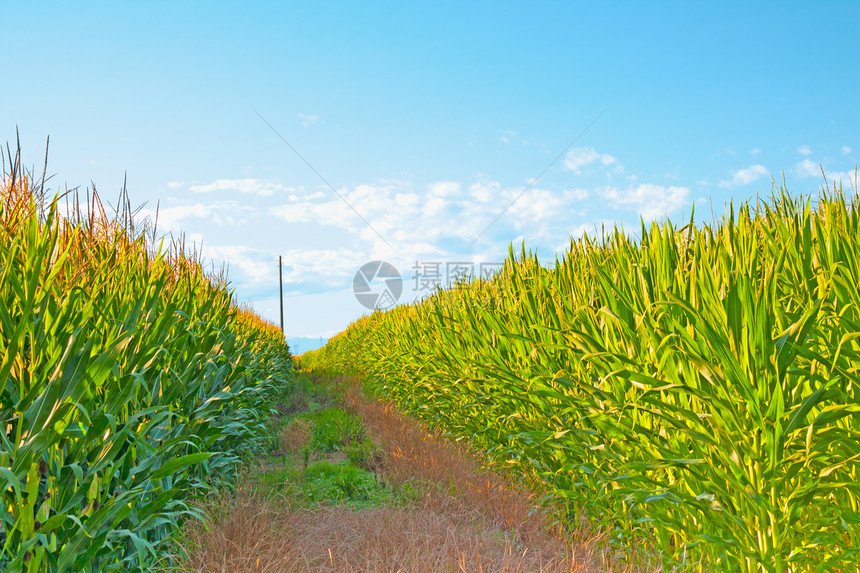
846 150
755 151
221 213
848 179
256 268
306 119
807 168
434 206
485 191
650 201
804 150
330 265
174 185
445 188
535 206
746 176
575 194
258 187
407 200
168 218
303 210
506 136
440 218
580 157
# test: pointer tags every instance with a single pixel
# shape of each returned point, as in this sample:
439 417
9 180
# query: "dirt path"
352 485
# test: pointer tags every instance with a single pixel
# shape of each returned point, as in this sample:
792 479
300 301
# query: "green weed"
341 483
334 429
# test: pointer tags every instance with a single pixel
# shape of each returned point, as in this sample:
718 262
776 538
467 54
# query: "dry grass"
256 536
463 519
460 485
295 435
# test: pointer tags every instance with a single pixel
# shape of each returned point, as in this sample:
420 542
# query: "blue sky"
428 118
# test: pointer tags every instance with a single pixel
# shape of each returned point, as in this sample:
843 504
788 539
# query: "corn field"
130 382
695 387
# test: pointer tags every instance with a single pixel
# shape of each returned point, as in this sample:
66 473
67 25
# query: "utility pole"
281 290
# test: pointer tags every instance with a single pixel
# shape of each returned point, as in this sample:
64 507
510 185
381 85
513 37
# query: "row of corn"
696 387
129 382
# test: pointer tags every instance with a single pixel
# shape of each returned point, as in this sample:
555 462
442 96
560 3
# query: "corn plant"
696 387
129 381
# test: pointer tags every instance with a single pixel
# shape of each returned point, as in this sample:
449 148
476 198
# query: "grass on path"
351 485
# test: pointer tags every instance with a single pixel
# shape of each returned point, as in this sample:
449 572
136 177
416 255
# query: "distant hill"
301 344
